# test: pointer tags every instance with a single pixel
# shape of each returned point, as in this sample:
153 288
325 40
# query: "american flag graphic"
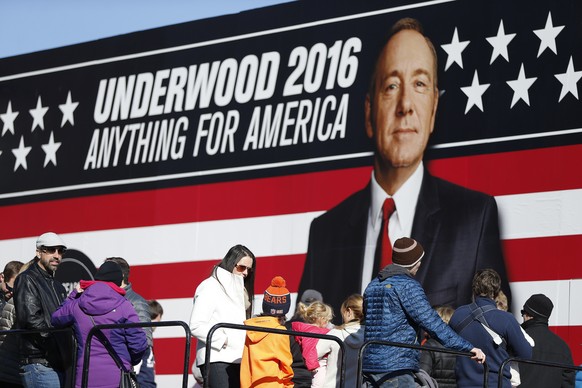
509 124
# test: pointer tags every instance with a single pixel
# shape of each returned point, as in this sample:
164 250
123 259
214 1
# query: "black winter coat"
548 347
36 296
440 366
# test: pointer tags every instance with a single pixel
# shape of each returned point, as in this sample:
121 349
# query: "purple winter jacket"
105 303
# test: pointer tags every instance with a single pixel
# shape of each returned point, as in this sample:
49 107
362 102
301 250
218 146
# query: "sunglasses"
242 268
52 250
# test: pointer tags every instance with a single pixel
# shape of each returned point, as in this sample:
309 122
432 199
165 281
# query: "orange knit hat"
277 299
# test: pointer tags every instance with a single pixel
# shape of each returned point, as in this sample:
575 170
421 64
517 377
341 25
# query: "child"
266 360
317 317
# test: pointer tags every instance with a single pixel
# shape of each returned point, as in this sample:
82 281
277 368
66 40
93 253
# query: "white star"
521 86
548 36
68 108
38 115
8 119
21 153
500 43
50 150
569 81
474 93
454 50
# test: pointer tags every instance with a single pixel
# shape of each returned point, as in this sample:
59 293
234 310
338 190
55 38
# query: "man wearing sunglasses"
37 294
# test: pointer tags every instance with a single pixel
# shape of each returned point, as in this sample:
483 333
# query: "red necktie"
387 210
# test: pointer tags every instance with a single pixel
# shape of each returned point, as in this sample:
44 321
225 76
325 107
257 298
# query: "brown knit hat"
407 252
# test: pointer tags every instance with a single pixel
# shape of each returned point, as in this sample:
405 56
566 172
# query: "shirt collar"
405 199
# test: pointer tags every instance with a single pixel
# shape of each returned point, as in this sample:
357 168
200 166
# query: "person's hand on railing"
478 355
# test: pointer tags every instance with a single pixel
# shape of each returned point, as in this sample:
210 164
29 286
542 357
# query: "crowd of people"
393 308
43 356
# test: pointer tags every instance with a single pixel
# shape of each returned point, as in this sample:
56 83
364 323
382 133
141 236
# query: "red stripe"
169 352
169 355
497 174
529 259
573 337
185 277
544 169
217 201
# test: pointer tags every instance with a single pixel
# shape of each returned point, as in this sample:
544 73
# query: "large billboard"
168 146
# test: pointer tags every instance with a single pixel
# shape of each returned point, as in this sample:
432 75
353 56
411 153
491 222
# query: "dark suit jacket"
457 227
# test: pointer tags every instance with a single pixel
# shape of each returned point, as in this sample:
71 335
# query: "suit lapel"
356 236
427 221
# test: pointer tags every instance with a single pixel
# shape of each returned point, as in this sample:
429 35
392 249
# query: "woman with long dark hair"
226 296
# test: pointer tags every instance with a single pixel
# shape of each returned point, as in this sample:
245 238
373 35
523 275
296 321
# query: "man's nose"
404 101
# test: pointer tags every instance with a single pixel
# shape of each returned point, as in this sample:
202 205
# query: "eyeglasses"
52 250
242 268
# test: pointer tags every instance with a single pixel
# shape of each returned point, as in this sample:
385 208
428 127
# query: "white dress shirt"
400 224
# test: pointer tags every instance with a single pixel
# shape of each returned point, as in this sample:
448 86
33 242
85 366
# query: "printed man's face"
400 115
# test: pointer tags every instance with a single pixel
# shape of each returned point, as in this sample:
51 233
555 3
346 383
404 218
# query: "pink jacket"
308 344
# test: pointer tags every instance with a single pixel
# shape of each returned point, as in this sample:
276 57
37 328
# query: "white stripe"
545 214
195 241
173 381
179 309
219 41
507 138
563 293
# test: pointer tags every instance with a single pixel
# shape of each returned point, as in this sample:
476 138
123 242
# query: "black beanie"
109 272
539 305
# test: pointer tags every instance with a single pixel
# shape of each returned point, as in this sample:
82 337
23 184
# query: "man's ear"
368 117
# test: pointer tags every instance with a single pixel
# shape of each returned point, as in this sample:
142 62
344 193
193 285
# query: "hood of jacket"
353 335
263 321
100 298
393 270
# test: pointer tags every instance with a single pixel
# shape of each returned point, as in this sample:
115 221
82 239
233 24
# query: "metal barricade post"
94 329
274 331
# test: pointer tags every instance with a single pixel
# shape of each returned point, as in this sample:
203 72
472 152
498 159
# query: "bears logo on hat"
277 298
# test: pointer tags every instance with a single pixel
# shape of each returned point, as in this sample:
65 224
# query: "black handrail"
418 347
274 331
536 362
93 330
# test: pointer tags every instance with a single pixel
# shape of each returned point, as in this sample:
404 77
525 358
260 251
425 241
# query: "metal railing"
417 347
536 362
274 331
94 329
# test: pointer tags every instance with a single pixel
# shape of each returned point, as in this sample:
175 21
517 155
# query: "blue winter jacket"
104 302
396 308
469 373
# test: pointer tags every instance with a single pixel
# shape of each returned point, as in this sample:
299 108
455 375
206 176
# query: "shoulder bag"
128 377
